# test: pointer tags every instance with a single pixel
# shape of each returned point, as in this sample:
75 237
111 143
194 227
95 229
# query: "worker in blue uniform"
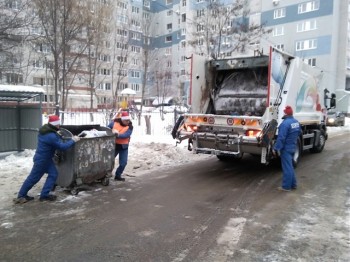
285 146
48 142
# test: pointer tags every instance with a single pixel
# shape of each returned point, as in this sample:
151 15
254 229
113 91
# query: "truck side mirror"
333 101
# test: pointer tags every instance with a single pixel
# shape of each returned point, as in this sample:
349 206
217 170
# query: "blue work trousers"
123 160
288 180
39 169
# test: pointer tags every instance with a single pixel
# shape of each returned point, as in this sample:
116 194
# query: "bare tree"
150 61
62 22
97 38
121 53
15 25
220 28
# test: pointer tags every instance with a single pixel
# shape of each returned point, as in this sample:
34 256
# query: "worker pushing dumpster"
90 159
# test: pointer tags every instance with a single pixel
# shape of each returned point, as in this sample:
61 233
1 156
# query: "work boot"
22 200
48 198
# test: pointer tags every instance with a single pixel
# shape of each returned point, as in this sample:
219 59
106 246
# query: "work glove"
115 132
275 153
76 138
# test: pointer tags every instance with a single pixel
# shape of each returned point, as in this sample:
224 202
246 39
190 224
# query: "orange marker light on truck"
252 133
191 128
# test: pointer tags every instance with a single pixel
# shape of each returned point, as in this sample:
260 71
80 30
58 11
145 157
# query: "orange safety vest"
121 129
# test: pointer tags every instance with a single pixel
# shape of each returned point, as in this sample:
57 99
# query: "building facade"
146 47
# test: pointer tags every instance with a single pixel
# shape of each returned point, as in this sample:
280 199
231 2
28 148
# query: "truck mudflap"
268 132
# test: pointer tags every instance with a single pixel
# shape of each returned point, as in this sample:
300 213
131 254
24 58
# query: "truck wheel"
297 153
321 142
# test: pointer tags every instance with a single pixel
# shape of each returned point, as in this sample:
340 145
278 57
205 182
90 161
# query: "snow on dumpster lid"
19 92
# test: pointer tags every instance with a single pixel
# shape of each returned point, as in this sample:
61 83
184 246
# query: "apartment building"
315 30
149 40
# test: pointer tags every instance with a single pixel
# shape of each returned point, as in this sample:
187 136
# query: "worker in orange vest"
122 128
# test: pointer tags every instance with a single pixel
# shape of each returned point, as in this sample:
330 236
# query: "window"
107 44
183 44
277 31
135 49
13 78
183 72
135 61
122 32
169 13
105 58
122 86
108 86
122 59
168 38
308 6
135 36
169 26
306 45
36 64
135 10
169 2
279 13
135 23
200 28
122 72
311 61
146 3
42 48
135 87
183 18
147 41
122 46
200 12
135 74
15 5
104 71
168 63
183 2
306 26
279 46
168 51
122 5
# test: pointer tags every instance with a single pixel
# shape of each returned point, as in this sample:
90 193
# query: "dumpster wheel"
105 181
74 191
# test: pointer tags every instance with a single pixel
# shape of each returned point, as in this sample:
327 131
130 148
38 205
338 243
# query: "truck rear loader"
237 105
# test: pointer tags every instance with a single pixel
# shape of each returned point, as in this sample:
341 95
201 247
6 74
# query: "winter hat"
125 115
54 120
288 111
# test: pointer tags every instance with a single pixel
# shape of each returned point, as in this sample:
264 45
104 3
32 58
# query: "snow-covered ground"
146 153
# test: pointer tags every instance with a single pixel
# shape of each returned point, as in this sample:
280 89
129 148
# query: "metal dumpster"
89 160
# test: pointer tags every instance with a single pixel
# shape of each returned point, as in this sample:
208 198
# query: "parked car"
335 118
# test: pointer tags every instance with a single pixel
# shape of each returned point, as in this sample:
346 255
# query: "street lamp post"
190 97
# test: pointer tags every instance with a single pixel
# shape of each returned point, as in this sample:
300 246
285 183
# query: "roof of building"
19 93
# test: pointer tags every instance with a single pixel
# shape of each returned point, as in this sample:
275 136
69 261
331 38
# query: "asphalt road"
208 211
